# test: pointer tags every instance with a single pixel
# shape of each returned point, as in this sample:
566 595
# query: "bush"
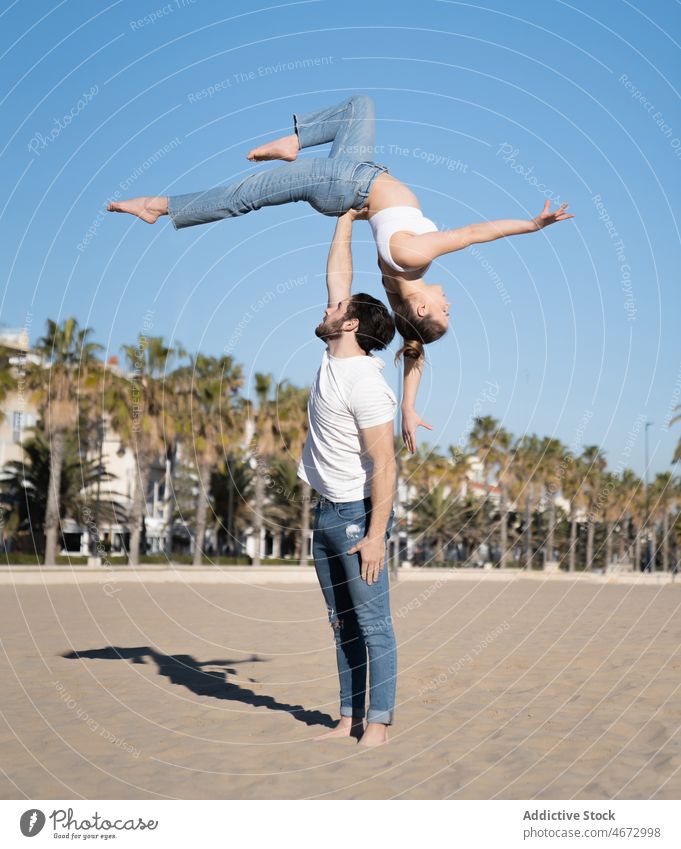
24 559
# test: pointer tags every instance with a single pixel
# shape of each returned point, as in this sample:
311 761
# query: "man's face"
331 325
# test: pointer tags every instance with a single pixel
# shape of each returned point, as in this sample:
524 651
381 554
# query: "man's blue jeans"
359 613
330 185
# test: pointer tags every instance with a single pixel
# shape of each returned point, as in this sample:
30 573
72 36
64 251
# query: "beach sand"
517 689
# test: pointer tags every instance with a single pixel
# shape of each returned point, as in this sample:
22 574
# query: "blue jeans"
330 185
359 613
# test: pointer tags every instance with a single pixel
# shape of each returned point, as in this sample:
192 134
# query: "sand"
507 689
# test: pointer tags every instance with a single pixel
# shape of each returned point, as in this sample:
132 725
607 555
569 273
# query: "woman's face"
436 303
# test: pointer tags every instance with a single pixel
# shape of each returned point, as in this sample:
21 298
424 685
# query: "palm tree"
662 497
142 417
595 464
263 448
524 465
24 483
434 517
435 484
426 466
233 491
612 507
482 441
285 493
551 453
630 491
291 426
573 490
499 458
677 450
205 393
67 372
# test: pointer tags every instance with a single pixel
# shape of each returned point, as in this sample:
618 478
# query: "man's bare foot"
375 734
285 148
348 726
148 208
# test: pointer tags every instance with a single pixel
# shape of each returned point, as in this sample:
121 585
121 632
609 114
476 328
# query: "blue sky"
484 109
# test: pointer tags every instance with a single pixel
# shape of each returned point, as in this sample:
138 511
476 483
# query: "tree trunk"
528 532
653 546
622 541
573 537
203 470
665 541
168 509
259 507
551 535
139 507
503 527
589 542
305 493
637 551
276 544
608 544
52 522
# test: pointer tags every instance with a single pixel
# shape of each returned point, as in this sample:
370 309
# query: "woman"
406 241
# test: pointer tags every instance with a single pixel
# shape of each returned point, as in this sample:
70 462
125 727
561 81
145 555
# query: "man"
349 459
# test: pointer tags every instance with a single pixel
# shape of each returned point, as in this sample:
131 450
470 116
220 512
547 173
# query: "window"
17 426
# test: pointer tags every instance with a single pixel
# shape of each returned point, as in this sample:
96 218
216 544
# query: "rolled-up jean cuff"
297 126
349 711
383 716
174 212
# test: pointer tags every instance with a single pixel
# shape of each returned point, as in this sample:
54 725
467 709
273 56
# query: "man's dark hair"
376 326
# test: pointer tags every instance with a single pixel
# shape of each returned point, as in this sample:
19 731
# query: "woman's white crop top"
393 219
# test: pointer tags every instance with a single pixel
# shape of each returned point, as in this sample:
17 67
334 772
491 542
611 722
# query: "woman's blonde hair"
415 330
411 350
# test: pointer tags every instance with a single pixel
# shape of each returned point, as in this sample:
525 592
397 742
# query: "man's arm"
417 251
377 444
339 261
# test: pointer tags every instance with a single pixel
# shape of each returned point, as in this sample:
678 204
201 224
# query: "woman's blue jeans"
359 613
330 185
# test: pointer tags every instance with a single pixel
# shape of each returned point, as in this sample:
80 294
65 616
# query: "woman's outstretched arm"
411 420
417 251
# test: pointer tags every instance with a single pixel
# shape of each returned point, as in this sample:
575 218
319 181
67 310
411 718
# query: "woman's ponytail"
411 350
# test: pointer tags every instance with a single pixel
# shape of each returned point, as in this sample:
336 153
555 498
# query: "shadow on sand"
184 670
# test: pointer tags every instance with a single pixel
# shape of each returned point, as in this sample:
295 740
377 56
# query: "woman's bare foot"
348 726
375 734
148 208
285 148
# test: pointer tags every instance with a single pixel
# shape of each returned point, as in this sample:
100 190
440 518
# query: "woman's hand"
410 421
547 217
358 214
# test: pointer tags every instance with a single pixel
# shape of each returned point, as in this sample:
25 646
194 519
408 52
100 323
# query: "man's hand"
547 217
410 421
372 556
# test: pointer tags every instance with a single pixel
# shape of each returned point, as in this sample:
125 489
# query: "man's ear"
351 325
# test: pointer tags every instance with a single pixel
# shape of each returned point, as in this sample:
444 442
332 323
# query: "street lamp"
395 559
648 564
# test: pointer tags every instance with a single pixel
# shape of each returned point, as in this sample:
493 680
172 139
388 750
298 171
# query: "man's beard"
329 329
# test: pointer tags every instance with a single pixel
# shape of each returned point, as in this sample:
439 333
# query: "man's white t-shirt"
348 394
